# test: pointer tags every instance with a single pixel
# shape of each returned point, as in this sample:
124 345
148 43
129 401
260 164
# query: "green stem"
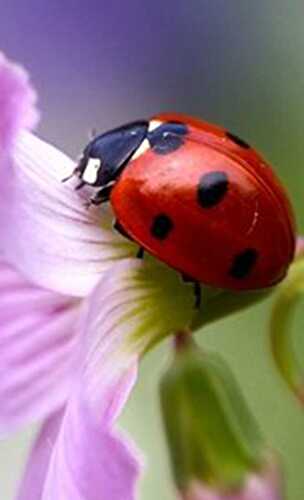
281 321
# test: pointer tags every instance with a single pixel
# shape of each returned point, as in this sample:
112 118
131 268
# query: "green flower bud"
213 438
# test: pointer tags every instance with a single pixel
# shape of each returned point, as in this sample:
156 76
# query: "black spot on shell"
161 227
167 138
237 140
212 188
243 263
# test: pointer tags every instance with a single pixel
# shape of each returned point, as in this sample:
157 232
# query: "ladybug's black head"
106 155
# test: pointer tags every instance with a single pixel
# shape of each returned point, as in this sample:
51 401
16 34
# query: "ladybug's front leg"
102 196
120 229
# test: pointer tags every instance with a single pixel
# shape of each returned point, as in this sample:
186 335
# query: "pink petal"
90 460
37 345
48 232
17 103
126 312
32 483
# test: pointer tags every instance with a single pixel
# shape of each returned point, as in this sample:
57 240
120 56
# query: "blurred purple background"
98 63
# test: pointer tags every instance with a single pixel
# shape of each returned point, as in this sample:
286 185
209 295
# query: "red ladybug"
195 196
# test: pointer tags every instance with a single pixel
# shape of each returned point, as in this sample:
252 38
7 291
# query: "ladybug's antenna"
75 172
92 133
68 177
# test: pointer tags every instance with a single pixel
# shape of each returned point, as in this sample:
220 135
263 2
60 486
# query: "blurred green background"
236 63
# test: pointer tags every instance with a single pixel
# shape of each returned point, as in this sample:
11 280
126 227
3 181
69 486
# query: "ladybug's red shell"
212 209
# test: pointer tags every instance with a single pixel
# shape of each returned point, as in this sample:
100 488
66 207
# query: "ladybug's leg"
121 230
118 227
196 289
80 185
140 253
197 295
102 196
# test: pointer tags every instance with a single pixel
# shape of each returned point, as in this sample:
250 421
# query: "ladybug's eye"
90 173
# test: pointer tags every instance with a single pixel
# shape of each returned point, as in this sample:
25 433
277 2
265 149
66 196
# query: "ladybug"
197 197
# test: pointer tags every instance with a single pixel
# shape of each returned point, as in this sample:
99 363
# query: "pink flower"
76 312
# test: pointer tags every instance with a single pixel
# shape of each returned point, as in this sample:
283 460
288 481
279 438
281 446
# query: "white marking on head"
153 124
90 173
145 146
